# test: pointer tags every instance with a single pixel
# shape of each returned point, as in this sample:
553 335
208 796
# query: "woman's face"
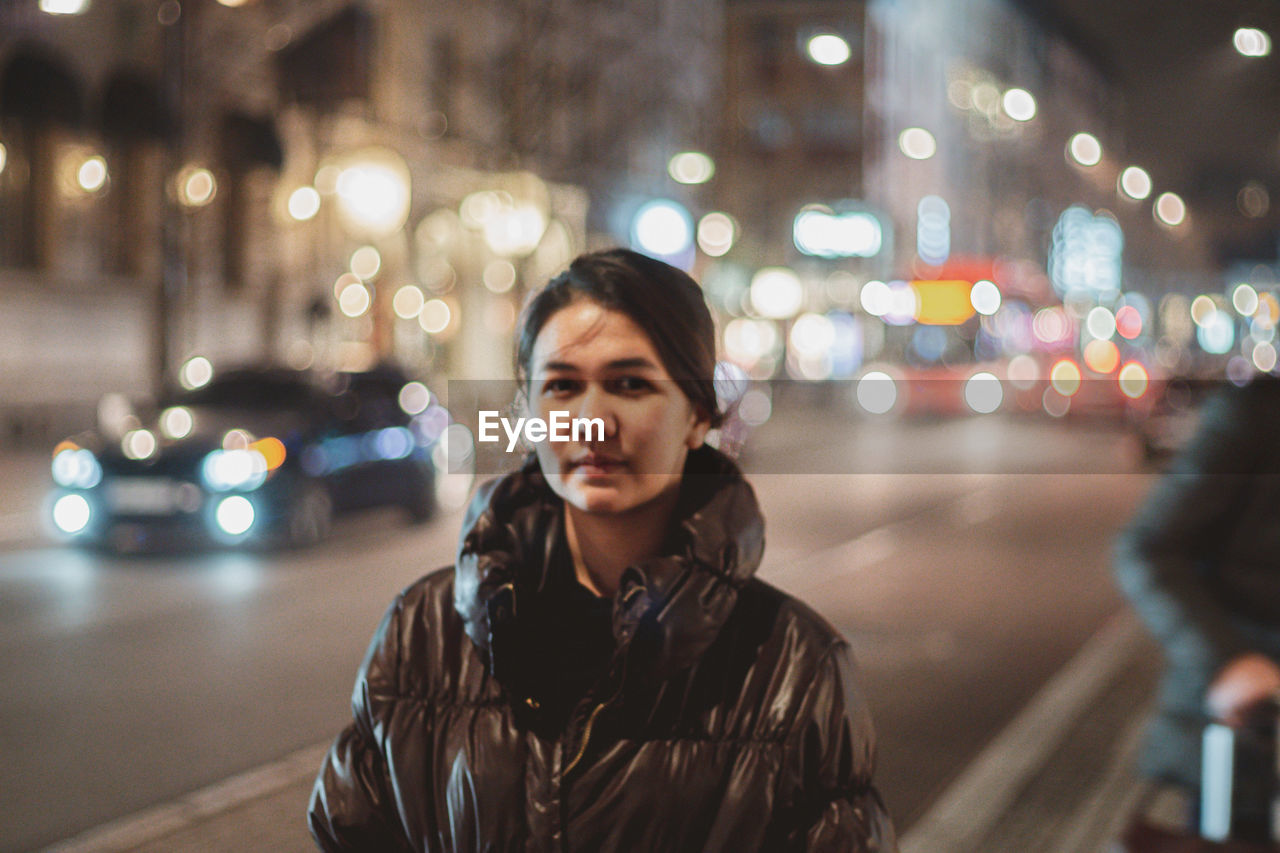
593 362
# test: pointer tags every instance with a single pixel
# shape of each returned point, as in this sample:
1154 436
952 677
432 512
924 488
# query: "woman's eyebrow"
631 364
560 365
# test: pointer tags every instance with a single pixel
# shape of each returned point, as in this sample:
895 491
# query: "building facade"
324 183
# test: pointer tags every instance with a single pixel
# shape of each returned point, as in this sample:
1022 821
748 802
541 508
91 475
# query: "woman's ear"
699 425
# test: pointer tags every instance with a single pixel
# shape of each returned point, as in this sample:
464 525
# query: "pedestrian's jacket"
728 718
1201 563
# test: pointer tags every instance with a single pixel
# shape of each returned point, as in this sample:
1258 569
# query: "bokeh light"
1101 356
829 49
138 444
1202 308
1023 371
499 276
691 167
414 398
235 515
1019 104
1244 299
304 203
917 143
354 300
176 422
373 191
776 292
1064 377
1264 357
877 393
196 186
1251 42
983 393
92 174
663 228
71 513
1133 380
1129 322
1135 183
195 373
365 262
435 316
408 302
876 298
1085 149
1170 209
985 297
716 233
1101 323
1253 200
1217 334
63 7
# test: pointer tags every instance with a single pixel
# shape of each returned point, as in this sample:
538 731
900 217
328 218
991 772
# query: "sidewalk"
1058 779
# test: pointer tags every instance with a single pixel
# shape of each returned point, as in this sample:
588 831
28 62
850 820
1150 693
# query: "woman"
600 671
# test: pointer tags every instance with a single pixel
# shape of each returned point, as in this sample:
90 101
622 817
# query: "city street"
134 681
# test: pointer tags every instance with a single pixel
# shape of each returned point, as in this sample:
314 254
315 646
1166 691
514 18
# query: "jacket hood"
677 601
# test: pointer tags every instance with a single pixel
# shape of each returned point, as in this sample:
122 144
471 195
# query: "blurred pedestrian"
600 670
1201 563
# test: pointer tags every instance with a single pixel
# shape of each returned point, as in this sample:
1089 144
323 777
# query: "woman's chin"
598 498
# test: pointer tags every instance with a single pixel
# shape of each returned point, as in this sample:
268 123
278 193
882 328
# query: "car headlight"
76 468
239 470
234 515
71 513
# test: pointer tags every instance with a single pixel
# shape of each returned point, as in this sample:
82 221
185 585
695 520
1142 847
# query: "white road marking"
984 791
1101 817
143 827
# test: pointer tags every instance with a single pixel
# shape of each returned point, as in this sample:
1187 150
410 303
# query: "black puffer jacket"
729 718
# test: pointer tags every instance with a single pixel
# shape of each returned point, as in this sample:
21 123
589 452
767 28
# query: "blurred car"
257 456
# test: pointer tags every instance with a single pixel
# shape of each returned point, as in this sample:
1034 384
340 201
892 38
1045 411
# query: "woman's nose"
597 404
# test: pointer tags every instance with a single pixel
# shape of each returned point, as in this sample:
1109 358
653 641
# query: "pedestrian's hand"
1247 681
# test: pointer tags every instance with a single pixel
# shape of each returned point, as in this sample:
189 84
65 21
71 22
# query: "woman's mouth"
596 464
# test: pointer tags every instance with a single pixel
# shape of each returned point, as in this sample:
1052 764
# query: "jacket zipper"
586 737
595 712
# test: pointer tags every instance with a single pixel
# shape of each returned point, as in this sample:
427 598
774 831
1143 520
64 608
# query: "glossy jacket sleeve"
1163 558
352 803
838 807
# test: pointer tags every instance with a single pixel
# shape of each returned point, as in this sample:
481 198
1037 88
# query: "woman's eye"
631 385
558 387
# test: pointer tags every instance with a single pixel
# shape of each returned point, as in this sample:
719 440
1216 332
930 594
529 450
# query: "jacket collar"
678 600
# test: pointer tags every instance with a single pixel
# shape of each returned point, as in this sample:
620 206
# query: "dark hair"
663 301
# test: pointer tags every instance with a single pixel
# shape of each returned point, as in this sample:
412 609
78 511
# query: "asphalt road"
130 681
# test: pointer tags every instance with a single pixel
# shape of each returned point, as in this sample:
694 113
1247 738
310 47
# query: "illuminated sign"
942 302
